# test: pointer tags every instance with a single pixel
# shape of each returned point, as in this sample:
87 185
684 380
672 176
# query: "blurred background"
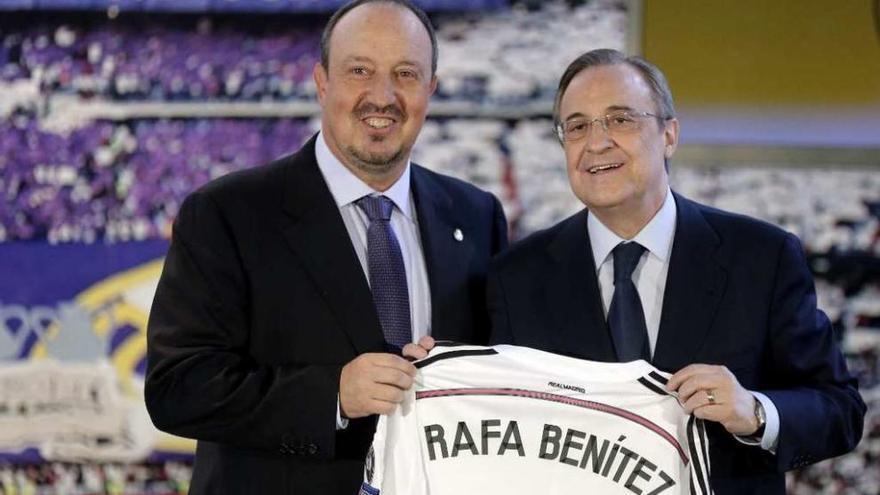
112 111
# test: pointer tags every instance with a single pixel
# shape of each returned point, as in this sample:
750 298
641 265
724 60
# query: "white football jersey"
514 420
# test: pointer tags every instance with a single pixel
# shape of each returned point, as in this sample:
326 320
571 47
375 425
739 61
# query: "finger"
393 377
395 362
380 407
687 372
414 351
387 393
697 383
427 342
690 386
698 401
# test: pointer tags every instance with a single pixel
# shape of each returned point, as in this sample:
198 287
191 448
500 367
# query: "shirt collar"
656 236
347 188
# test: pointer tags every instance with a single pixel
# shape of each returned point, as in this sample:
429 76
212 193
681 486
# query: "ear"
433 84
320 77
670 137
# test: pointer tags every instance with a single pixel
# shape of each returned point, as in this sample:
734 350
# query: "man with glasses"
725 302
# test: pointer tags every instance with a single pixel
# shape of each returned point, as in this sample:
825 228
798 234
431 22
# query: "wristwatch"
762 420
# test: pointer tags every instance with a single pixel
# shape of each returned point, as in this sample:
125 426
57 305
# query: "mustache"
388 110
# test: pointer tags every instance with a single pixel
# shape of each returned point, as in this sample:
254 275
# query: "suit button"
312 449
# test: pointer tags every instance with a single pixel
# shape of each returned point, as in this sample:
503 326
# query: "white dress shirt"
347 188
649 278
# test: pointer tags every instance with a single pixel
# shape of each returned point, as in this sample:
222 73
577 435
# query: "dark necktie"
387 272
626 319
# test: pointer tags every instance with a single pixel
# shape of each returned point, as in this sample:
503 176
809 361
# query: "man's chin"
377 161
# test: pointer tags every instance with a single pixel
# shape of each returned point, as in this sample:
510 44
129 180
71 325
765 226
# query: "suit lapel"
446 258
573 294
314 230
694 286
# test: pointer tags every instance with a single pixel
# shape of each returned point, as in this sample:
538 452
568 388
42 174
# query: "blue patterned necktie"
626 318
387 272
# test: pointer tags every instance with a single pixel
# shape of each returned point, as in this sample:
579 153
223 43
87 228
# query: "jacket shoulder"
730 225
533 247
457 188
255 181
236 202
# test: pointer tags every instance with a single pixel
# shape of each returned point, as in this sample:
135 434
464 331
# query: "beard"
378 163
375 163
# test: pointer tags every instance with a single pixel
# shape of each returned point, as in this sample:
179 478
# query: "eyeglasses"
615 123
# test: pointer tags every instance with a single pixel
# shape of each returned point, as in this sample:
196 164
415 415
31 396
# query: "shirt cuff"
341 423
770 439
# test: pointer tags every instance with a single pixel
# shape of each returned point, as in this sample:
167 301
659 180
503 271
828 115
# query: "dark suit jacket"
262 300
738 293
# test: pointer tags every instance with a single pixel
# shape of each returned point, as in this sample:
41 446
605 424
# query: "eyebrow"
612 108
361 58
411 63
357 58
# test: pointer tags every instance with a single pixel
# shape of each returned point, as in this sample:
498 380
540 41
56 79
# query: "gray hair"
660 91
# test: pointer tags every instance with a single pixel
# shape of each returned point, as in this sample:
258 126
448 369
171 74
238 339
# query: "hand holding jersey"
373 383
713 393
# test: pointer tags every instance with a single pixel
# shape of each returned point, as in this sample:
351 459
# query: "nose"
598 138
382 91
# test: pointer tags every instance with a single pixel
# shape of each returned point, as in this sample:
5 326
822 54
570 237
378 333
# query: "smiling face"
620 177
374 94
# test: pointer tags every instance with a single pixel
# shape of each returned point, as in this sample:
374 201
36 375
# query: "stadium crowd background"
110 117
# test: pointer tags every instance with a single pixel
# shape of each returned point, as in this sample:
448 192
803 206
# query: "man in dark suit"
725 302
289 289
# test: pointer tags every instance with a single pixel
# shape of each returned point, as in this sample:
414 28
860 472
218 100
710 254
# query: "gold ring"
710 396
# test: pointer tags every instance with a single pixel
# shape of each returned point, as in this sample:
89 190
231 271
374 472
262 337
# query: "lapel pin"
458 235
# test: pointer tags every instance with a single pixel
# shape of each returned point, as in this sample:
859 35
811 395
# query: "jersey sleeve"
694 436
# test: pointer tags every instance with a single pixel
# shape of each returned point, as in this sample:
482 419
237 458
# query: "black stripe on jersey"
704 449
657 376
454 354
695 456
652 386
704 440
449 343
